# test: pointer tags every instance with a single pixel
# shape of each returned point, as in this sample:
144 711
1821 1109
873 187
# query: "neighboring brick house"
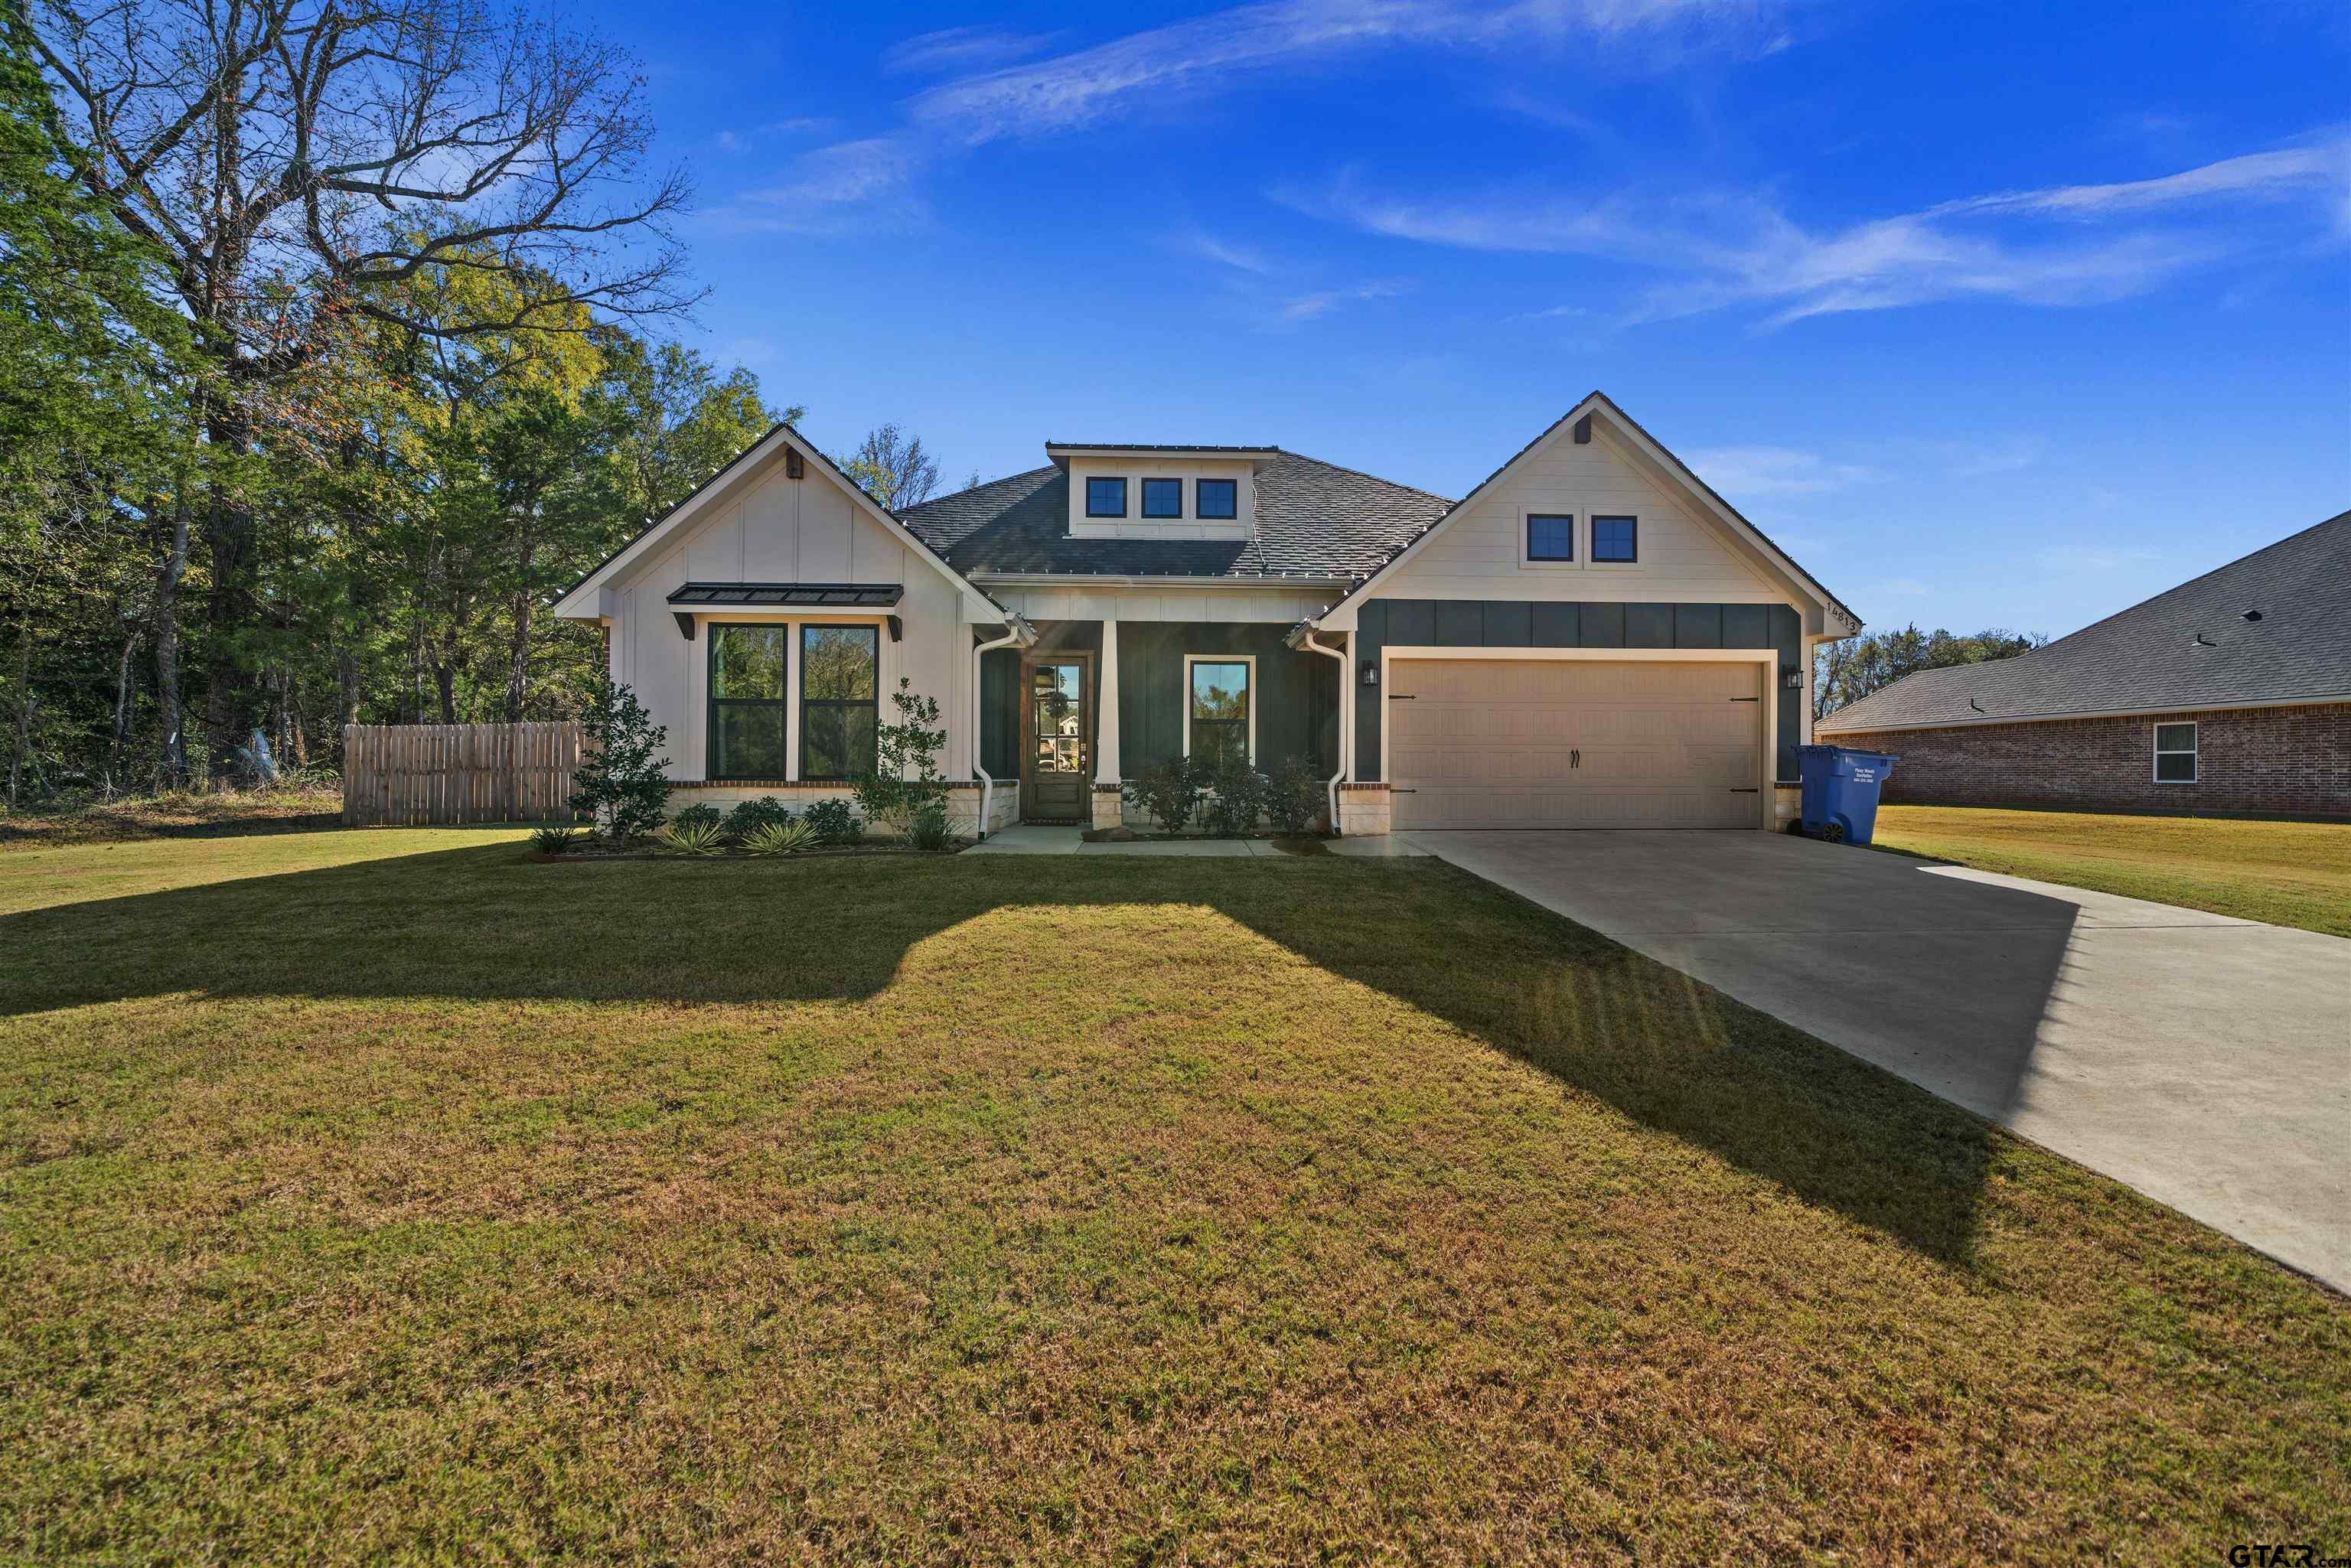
2231 693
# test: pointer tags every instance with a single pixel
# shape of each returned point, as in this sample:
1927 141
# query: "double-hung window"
1217 717
1163 497
2175 753
1106 497
841 684
1216 500
1616 539
1550 535
748 700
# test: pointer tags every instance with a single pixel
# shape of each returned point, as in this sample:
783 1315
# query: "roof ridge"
1374 478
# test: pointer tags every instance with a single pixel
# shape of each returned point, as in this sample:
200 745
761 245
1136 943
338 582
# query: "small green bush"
695 838
1294 801
619 784
927 828
553 841
789 837
749 816
700 816
1239 798
1170 791
835 822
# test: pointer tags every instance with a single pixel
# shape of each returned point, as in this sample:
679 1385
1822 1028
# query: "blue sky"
1990 315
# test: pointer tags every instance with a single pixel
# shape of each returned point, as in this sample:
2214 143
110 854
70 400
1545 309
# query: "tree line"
1850 670
332 343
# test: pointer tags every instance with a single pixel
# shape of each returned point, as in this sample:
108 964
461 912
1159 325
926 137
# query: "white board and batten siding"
779 529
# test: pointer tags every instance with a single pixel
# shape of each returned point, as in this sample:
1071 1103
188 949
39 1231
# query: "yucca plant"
694 838
553 841
789 837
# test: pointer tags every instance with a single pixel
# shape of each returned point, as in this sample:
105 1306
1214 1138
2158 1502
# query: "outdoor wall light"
1371 672
1791 678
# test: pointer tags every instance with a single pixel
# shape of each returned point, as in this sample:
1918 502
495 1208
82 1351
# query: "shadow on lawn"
480 922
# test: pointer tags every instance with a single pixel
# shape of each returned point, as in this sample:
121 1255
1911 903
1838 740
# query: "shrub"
699 816
834 822
888 795
1170 791
695 838
927 829
789 837
1295 798
1239 798
750 816
552 840
618 784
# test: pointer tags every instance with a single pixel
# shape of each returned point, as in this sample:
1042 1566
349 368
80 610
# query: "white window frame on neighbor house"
1247 659
1529 561
2160 752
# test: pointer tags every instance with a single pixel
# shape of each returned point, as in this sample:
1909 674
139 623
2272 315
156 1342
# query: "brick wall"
2284 759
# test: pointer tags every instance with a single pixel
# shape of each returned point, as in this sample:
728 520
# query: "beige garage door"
1572 742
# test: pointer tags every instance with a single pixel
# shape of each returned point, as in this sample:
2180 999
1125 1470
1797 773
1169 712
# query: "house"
1591 638
2231 692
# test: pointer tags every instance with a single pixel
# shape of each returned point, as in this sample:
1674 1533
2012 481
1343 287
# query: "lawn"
2285 872
381 1194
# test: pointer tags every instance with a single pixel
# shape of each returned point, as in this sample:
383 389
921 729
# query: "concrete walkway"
2202 1059
1029 839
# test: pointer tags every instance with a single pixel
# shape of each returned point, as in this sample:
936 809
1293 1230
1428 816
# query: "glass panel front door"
1057 780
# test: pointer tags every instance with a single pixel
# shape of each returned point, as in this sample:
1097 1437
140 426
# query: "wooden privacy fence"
415 774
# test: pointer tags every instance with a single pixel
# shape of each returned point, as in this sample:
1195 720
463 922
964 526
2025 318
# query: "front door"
1057 760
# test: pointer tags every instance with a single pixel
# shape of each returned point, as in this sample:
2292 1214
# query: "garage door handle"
1400 697
1747 791
1747 699
1404 791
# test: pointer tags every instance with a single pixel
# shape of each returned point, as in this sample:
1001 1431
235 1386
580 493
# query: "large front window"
841 684
1216 722
748 696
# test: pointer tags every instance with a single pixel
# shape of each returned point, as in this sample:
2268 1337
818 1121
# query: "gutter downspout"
986 779
1346 721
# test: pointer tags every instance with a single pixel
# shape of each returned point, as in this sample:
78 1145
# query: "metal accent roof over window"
828 595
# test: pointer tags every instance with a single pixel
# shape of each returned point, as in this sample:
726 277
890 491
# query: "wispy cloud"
963 49
1734 249
2065 560
1306 307
1776 471
743 140
1225 253
846 188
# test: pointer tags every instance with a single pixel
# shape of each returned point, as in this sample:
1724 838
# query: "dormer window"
1106 497
1163 497
1218 499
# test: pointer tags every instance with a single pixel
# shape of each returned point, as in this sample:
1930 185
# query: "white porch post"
1107 808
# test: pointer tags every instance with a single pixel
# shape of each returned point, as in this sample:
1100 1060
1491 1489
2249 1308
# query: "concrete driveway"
2204 1061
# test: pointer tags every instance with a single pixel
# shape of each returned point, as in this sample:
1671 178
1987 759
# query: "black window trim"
712 700
1247 721
2158 752
1117 479
1143 500
1527 544
1599 518
800 646
1200 510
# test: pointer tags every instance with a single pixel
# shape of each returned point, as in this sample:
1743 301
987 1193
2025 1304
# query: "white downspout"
978 699
1346 722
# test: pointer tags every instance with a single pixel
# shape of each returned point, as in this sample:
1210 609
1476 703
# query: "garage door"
1571 742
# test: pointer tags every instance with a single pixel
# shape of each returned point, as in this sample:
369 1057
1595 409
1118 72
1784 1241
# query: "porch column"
1106 806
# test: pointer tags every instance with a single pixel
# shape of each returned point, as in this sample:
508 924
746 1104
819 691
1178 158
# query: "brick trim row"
2289 760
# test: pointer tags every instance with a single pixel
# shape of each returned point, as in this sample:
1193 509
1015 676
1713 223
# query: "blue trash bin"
1841 791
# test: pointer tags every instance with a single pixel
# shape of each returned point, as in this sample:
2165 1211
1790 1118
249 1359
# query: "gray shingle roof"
2148 658
1313 519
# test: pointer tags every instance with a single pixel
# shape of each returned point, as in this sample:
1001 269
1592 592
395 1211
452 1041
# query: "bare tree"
298 161
893 467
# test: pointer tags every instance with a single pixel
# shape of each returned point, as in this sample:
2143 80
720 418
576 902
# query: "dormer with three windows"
1161 491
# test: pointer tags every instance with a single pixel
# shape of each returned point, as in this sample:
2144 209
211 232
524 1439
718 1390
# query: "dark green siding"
1505 623
1297 696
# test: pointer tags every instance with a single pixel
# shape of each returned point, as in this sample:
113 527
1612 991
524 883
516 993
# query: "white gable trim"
589 598
1834 616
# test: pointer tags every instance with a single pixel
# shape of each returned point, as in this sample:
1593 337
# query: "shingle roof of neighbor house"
2273 627
1313 519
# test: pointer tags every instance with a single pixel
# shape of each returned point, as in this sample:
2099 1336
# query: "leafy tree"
1852 669
619 784
893 469
905 785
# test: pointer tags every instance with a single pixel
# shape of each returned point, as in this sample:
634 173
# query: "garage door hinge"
1404 791
1747 791
1747 699
1400 697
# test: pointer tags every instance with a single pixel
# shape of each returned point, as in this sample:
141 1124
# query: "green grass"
384 1196
2283 872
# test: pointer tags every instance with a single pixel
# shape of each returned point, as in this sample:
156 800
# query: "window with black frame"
841 684
1163 497
1217 498
1219 714
748 701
